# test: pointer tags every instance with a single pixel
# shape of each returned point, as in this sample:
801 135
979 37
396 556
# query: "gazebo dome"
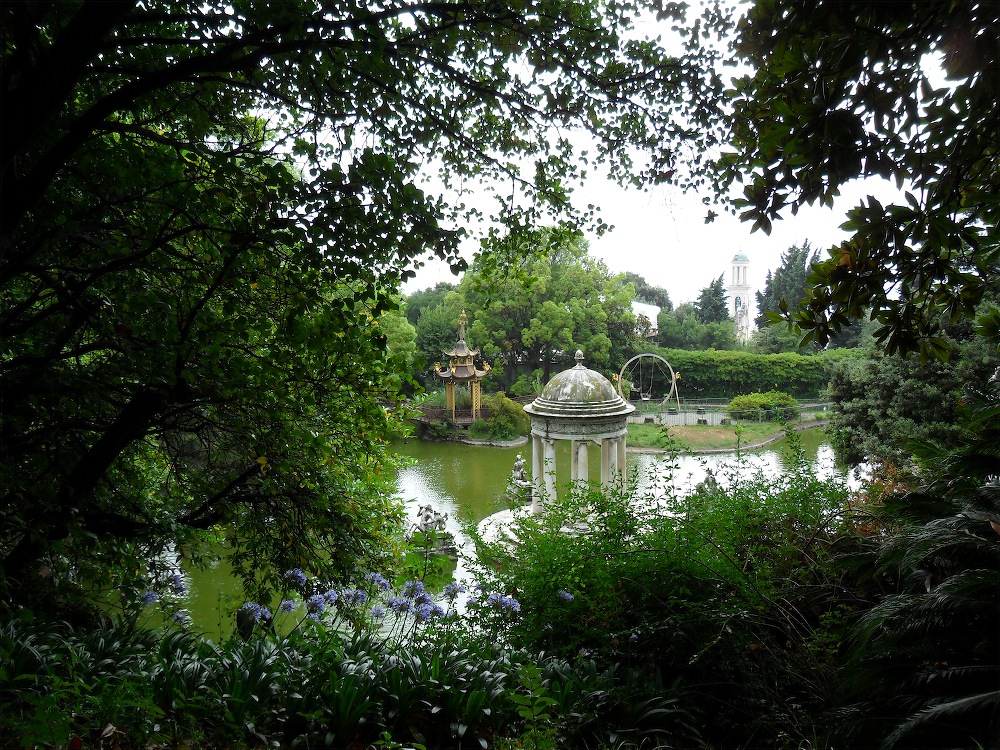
581 406
580 393
741 258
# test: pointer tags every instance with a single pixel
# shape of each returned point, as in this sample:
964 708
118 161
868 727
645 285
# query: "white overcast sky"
662 236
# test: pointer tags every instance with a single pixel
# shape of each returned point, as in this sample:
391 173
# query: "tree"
206 208
883 404
681 329
571 302
844 90
712 305
437 331
420 300
646 292
787 284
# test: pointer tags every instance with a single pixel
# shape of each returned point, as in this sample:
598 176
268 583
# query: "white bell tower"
739 297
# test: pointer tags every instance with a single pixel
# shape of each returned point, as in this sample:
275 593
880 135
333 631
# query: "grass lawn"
701 437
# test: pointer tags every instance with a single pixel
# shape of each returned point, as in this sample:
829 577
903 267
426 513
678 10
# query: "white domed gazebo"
582 406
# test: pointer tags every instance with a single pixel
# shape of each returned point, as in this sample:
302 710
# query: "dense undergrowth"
781 612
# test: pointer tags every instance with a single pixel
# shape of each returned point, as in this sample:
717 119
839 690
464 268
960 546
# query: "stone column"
582 459
537 473
621 458
574 460
605 463
550 469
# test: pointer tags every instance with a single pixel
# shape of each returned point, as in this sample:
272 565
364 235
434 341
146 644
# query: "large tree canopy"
570 302
206 208
844 90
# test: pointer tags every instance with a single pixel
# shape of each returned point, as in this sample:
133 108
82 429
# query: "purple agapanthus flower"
176 581
316 604
377 579
259 613
400 604
296 577
452 590
287 605
353 597
150 597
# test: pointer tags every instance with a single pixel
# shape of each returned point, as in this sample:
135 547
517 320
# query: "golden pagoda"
462 369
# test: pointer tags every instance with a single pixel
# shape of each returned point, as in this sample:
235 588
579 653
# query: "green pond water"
468 483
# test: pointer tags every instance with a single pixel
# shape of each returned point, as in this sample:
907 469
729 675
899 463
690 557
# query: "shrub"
726 594
772 406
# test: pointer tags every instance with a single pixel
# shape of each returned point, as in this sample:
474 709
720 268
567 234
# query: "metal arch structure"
654 358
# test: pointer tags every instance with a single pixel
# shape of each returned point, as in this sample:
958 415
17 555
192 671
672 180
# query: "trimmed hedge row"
725 374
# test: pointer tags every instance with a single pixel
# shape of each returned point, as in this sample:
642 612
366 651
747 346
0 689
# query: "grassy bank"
702 437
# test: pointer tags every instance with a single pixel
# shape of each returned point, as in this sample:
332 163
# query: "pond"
468 483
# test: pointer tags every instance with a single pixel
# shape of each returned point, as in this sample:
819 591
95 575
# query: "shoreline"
523 440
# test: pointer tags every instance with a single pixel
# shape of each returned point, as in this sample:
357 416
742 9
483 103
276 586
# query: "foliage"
712 305
507 419
436 333
419 301
646 292
721 593
882 403
787 283
724 374
569 301
206 207
924 667
681 329
344 682
838 91
773 406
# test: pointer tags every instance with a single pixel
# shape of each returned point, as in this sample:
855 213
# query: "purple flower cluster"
296 577
316 604
287 605
452 590
414 599
504 602
353 597
176 581
377 579
150 597
565 595
259 613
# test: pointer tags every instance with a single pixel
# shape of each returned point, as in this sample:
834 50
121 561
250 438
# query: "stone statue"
519 486
428 520
517 476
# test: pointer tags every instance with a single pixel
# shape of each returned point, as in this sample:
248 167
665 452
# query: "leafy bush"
924 667
728 596
772 406
720 374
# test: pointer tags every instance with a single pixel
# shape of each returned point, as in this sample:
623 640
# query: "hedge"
725 374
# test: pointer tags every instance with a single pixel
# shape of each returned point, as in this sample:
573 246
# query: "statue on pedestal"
519 486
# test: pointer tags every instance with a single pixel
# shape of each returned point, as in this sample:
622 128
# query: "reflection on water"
468 482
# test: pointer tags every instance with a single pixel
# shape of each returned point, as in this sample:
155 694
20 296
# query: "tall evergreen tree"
788 283
712 305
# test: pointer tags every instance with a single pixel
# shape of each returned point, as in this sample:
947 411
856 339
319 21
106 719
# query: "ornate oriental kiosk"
579 405
462 369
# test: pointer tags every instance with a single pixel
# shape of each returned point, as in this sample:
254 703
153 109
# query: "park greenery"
207 214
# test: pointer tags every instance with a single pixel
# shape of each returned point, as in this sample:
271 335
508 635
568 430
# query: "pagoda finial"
462 320
579 358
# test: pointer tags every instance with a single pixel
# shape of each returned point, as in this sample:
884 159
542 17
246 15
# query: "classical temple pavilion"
462 369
